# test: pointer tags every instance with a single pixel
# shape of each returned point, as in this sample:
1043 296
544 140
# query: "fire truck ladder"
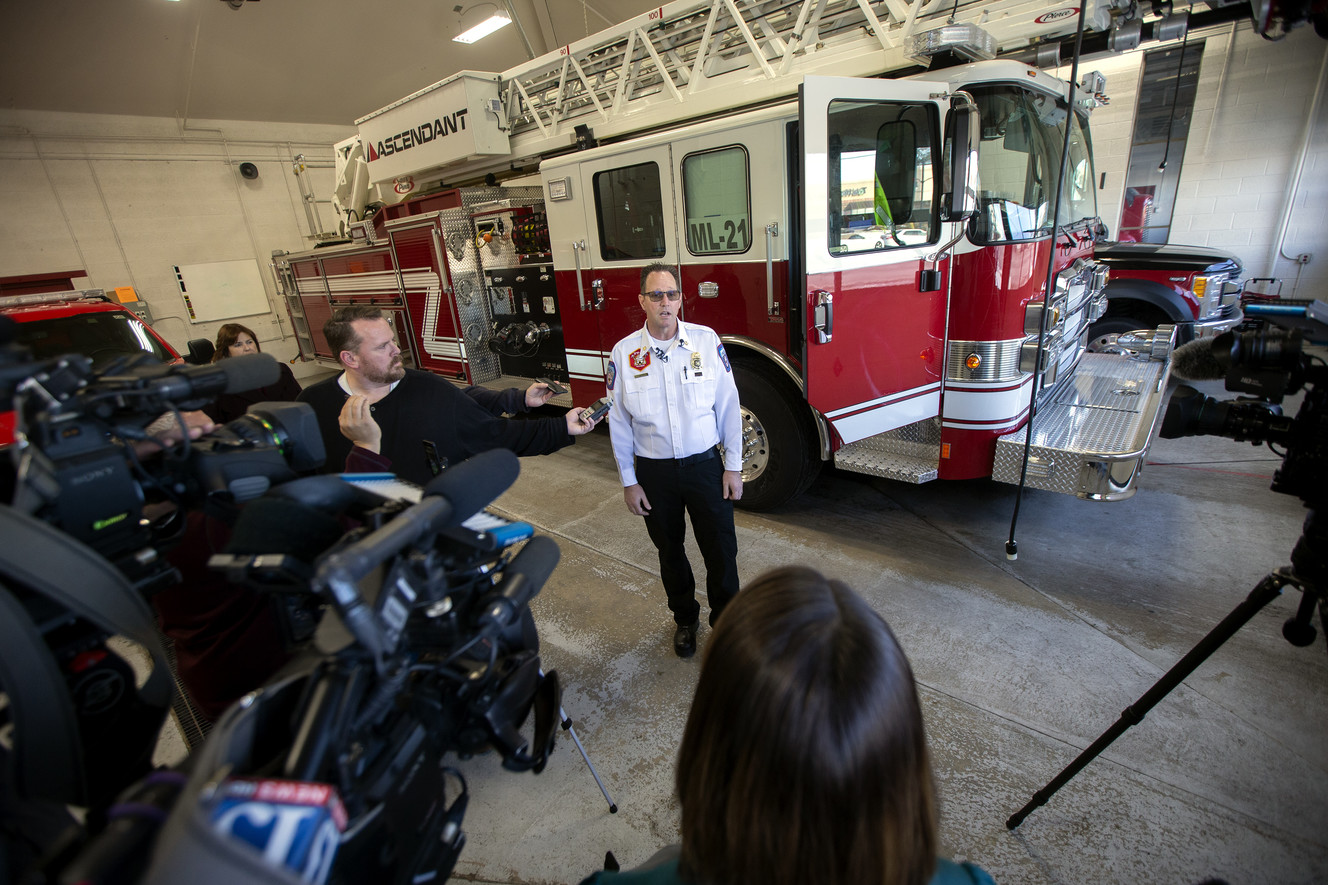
695 58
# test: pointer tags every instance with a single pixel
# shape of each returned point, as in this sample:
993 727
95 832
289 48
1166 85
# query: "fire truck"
865 201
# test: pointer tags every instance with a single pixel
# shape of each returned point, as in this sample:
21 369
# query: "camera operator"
804 758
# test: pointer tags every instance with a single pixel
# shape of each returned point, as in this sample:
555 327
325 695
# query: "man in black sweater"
378 415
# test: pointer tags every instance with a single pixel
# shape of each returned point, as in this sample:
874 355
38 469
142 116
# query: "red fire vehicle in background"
87 322
874 255
1194 288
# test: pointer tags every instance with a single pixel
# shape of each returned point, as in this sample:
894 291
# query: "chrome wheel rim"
755 446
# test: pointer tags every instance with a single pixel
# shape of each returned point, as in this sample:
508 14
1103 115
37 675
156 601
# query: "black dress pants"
677 486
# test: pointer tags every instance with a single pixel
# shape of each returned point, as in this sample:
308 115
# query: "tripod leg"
1263 593
567 726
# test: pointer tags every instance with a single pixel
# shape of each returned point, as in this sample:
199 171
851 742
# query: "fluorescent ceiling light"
484 28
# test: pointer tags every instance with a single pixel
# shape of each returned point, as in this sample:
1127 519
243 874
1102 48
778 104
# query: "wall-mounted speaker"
249 171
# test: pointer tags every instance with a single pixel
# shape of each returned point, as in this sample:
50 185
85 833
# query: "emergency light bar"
967 40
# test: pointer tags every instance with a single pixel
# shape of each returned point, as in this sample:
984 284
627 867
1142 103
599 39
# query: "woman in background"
804 758
234 339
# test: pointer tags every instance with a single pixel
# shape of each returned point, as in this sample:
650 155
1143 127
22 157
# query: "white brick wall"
1245 138
129 198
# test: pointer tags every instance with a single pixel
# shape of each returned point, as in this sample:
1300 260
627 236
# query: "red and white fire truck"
875 253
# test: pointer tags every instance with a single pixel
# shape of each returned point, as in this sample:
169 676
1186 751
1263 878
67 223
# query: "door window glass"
881 182
717 201
630 213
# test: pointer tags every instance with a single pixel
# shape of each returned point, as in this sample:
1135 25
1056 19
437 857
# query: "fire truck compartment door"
871 159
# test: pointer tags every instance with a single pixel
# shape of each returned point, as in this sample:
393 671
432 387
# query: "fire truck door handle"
577 246
597 286
823 317
771 305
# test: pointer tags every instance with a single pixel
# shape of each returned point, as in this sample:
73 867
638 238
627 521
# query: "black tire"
1102 335
779 443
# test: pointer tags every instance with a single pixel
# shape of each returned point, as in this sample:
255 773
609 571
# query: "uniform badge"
640 358
696 362
612 375
724 358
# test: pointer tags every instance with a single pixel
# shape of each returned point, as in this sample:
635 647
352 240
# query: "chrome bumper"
1091 435
1230 318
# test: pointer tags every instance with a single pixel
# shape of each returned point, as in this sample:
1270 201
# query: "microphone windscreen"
273 524
249 371
1195 361
475 482
536 561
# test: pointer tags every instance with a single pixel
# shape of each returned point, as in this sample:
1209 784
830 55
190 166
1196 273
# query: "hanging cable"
1011 546
1175 95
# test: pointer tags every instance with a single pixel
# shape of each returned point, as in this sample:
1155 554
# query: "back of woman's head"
804 758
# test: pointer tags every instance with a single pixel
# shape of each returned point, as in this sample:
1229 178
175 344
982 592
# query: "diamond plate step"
909 454
1091 438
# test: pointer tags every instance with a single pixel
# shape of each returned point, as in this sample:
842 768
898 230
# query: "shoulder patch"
724 358
611 376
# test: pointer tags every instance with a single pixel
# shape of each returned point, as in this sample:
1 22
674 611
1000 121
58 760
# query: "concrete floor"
1021 666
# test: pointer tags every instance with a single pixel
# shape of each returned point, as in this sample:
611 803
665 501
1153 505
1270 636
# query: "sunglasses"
657 297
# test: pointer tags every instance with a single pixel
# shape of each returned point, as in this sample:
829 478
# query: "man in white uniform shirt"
674 404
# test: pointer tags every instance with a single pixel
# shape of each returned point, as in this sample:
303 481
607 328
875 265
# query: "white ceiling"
296 61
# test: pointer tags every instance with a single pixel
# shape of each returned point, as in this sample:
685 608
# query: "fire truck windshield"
1019 162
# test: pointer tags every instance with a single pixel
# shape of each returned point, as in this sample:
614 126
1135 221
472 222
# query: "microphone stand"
1307 574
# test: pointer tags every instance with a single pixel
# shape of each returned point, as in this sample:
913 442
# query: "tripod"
566 722
1307 574
567 727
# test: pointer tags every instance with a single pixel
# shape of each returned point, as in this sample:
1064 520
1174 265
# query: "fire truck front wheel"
778 441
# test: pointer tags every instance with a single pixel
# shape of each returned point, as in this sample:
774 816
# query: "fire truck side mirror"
963 129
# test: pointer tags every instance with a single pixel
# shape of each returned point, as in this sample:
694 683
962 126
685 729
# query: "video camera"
338 774
77 466
336 770
1269 363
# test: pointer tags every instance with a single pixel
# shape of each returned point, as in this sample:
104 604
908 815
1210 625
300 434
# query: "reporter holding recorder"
378 415
804 758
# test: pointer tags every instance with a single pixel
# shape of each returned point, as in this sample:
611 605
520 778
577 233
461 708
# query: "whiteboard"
221 290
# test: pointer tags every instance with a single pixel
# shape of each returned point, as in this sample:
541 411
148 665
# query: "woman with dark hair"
234 339
804 758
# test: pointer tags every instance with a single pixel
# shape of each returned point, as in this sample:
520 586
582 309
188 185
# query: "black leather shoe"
684 640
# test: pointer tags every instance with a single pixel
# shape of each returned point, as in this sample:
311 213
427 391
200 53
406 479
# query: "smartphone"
558 389
598 409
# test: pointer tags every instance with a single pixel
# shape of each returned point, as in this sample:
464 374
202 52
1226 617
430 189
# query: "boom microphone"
522 579
476 482
450 498
200 384
233 375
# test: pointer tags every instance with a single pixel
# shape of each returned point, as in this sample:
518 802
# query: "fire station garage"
1013 315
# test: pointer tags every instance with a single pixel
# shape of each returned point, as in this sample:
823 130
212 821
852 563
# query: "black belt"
698 458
